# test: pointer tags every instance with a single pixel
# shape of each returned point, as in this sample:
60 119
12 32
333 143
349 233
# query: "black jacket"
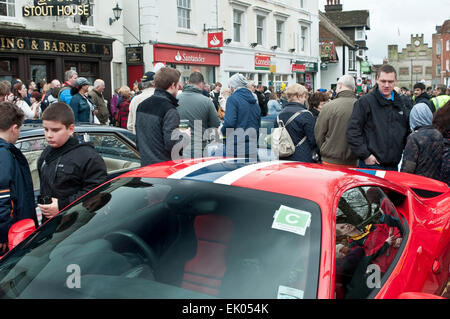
303 125
156 119
16 189
423 153
425 98
262 103
69 172
380 127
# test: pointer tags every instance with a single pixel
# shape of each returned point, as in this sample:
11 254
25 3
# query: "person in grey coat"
201 113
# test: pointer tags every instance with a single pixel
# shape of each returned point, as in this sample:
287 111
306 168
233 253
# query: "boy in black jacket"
67 169
16 186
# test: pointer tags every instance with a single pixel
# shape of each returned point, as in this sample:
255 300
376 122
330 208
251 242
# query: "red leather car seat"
204 273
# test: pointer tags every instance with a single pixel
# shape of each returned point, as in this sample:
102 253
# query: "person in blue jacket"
16 185
242 120
81 106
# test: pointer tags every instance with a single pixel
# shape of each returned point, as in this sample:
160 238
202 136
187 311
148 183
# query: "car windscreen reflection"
162 238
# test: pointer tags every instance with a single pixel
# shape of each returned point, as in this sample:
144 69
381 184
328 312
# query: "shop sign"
57 8
365 67
179 55
135 55
298 68
9 44
309 66
262 62
215 40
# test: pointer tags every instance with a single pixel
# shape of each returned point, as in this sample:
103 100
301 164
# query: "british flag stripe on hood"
222 171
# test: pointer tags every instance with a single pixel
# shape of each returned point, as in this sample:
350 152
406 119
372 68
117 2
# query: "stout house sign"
57 8
8 44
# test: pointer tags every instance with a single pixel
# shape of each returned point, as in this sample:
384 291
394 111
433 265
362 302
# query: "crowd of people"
387 128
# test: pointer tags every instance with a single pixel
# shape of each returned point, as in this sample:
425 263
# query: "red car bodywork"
423 266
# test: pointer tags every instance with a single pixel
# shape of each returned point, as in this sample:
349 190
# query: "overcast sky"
393 21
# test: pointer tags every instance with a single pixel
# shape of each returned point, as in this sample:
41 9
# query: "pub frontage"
44 56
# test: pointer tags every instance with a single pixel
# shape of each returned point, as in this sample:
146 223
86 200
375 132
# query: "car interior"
183 240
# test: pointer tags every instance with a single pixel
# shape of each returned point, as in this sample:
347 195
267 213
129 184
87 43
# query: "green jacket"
99 101
440 101
330 129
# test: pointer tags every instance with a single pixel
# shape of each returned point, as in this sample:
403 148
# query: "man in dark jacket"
262 100
67 169
157 118
378 127
16 185
421 96
242 120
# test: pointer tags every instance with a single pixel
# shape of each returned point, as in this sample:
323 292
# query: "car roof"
36 129
314 182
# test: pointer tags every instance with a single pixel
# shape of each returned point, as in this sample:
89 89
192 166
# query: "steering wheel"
118 238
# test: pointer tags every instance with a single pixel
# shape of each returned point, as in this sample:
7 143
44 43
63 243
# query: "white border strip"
233 176
380 174
188 170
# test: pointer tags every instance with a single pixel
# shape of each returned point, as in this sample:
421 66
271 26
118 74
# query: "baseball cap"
149 76
81 81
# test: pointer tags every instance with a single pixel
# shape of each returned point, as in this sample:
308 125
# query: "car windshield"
176 239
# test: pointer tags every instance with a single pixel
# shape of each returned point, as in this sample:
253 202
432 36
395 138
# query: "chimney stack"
333 5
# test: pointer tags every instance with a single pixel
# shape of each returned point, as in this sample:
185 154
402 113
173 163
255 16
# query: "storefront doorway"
41 72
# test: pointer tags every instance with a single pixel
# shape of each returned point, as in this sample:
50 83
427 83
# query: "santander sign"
190 58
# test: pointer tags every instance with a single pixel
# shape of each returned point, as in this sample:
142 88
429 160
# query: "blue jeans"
362 164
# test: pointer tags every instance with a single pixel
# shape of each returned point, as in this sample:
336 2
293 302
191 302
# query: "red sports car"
227 228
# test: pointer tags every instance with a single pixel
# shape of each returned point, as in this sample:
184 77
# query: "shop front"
44 56
188 60
305 73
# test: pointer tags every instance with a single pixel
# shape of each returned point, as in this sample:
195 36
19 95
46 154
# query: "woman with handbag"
301 127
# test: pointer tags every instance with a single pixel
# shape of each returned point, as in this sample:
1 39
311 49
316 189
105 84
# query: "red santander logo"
215 40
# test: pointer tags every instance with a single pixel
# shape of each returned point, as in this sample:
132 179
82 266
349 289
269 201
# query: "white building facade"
271 42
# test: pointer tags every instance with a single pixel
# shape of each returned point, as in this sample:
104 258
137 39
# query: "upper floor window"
359 34
351 60
303 39
448 45
438 48
260 22
280 33
184 14
87 21
302 3
237 25
8 8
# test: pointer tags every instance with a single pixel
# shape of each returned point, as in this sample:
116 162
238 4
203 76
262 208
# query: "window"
260 21
447 65
429 70
280 33
351 60
303 39
448 45
8 8
359 34
369 234
438 70
438 48
162 238
87 21
302 3
184 14
237 24
404 71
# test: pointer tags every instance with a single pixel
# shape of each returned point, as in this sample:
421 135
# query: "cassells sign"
262 62
57 8
182 55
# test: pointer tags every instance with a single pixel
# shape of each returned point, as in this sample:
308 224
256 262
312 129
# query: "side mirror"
418 295
19 231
